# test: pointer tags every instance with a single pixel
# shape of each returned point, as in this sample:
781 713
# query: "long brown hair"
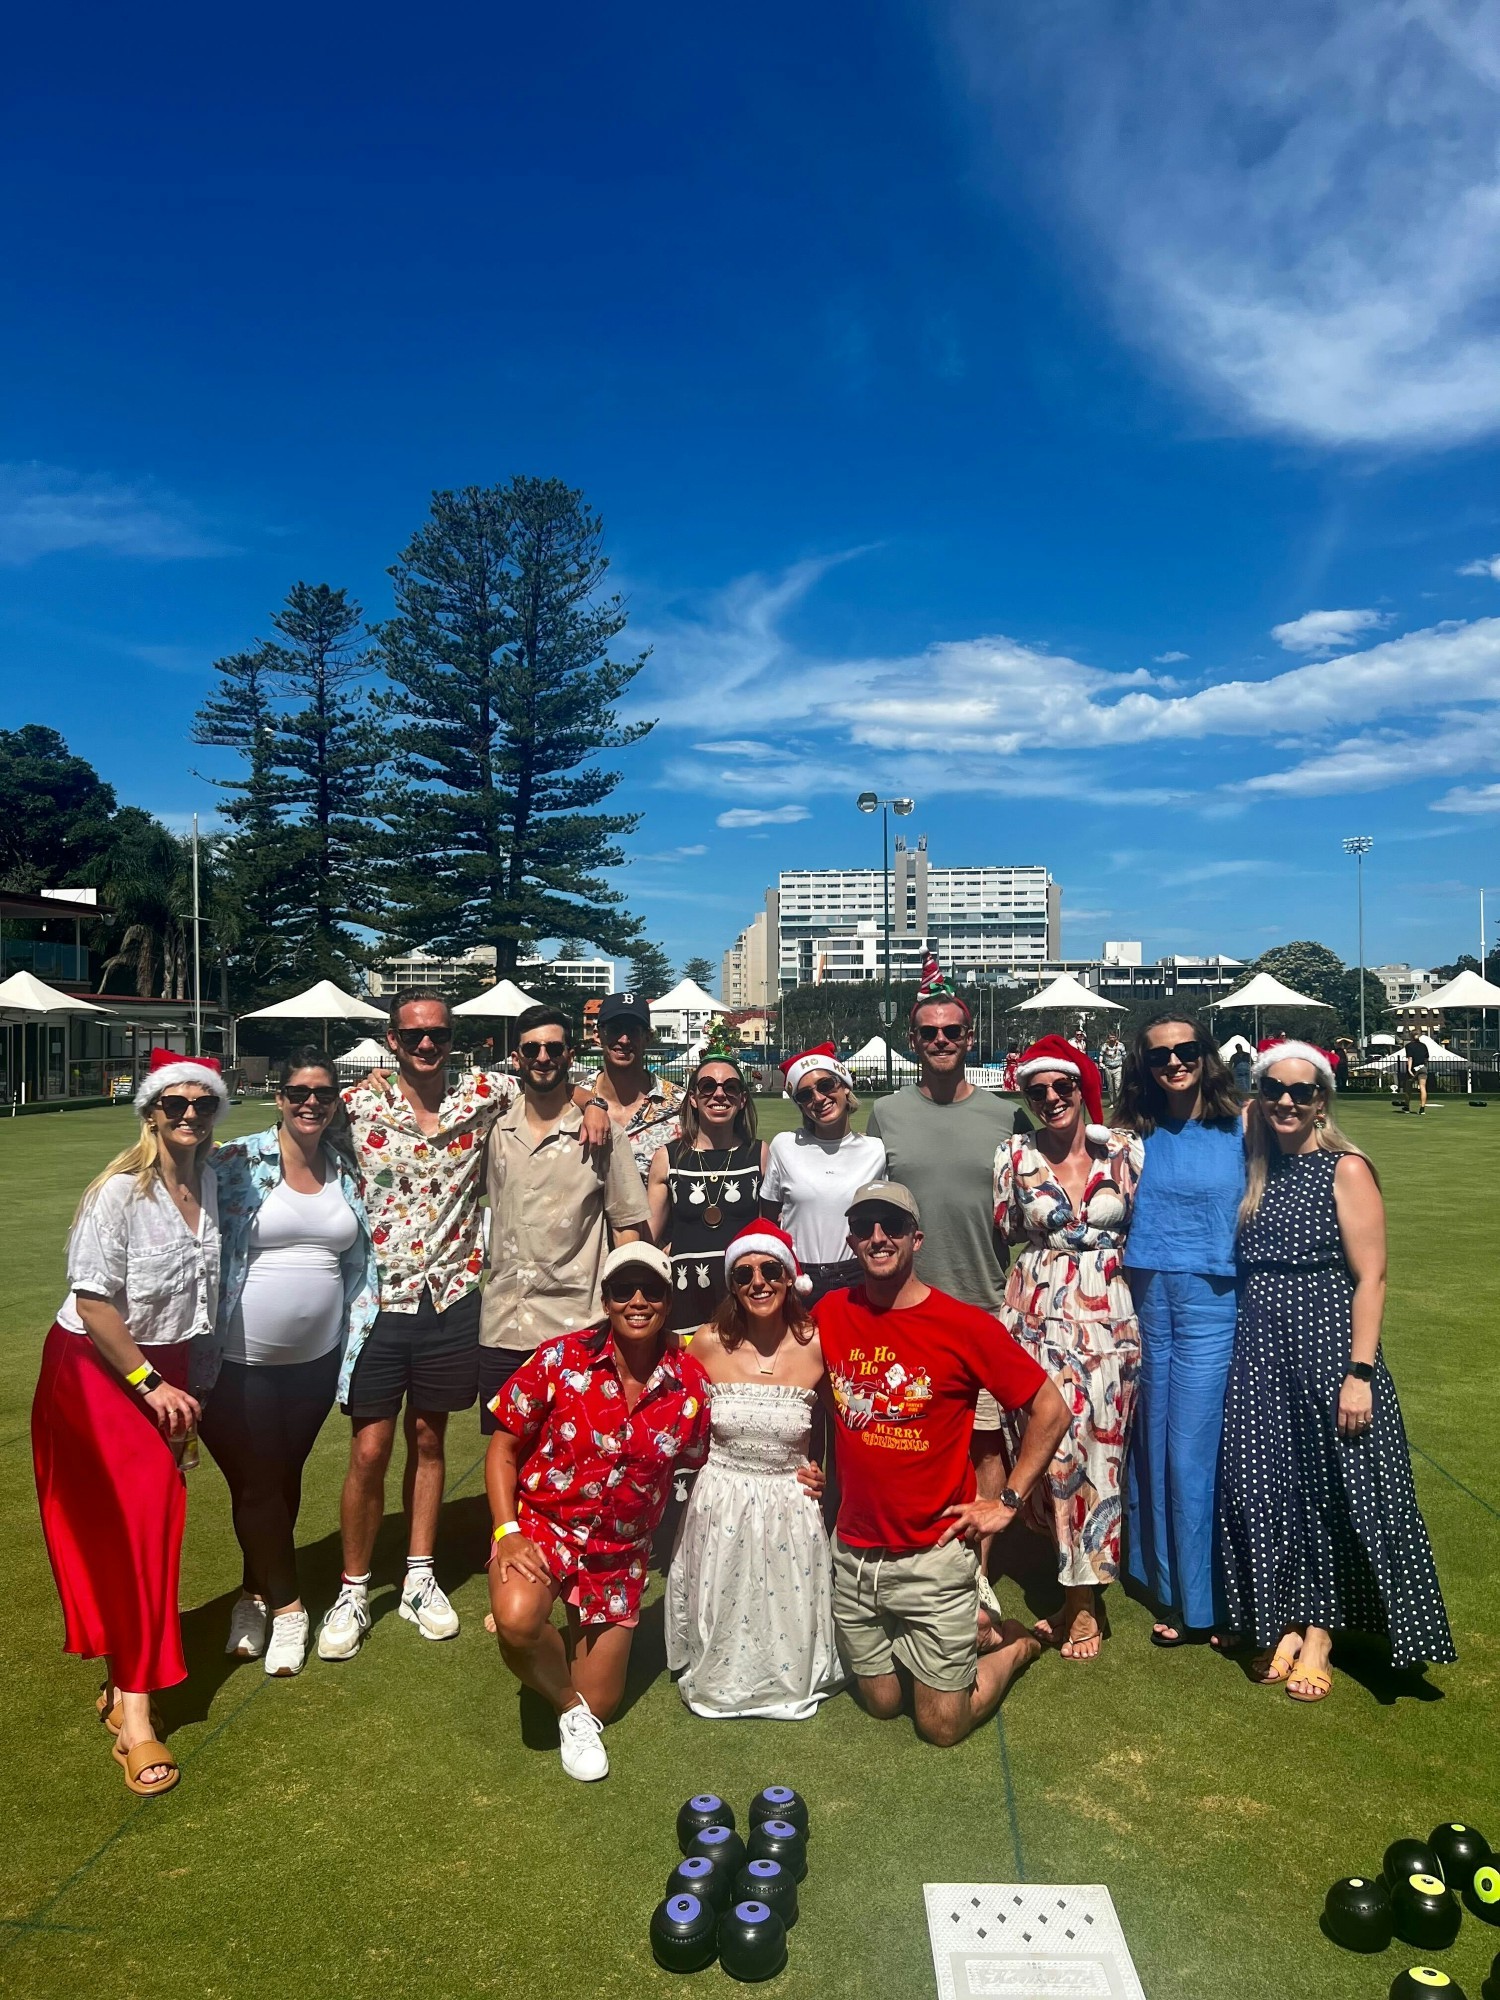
732 1325
1142 1102
744 1118
1260 1144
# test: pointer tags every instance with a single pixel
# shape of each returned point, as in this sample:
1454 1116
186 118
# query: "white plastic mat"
1028 1941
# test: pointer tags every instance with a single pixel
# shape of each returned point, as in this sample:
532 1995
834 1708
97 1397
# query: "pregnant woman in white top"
299 1281
813 1174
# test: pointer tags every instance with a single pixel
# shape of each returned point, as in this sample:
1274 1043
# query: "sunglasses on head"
719 1086
320 1093
620 1291
822 1086
942 1031
1187 1053
1301 1094
894 1223
750 1271
411 1039
1063 1087
535 1051
178 1108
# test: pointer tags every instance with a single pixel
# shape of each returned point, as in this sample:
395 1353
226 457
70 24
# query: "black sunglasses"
1187 1053
895 1225
620 1291
943 1031
178 1108
750 1270
1301 1094
823 1086
320 1093
1064 1087
411 1039
533 1050
713 1086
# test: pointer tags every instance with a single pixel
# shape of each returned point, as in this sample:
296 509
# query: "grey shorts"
921 1610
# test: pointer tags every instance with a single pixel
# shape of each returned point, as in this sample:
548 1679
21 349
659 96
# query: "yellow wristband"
507 1528
138 1375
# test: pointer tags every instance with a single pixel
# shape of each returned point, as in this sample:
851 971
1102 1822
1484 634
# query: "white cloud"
1297 208
46 510
1470 799
755 752
1483 566
1170 659
756 816
1325 631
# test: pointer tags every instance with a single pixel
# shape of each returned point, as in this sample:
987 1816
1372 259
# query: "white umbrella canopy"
1069 994
872 1056
1467 990
1264 991
688 997
24 994
1236 1045
501 1002
368 1054
323 1002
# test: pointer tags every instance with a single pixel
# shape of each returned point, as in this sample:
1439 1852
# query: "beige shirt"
549 1204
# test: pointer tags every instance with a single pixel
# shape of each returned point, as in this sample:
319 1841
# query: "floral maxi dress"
1068 1304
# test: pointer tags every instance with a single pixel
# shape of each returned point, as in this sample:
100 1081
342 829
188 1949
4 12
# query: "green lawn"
400 1824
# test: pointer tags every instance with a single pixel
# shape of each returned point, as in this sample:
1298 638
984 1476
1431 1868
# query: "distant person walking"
812 1173
1416 1056
704 1186
124 1372
1111 1064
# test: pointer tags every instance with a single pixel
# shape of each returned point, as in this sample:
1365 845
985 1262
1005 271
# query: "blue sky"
1081 418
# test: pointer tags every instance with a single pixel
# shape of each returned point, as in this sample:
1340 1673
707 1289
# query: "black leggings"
260 1423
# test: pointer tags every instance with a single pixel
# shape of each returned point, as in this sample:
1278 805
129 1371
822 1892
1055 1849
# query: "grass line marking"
1010 1795
1478 1497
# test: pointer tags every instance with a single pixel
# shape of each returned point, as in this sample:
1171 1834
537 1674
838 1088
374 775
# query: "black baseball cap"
624 1006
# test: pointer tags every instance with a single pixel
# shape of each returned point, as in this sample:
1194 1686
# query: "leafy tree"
241 716
1311 968
701 972
650 972
148 888
503 693
55 812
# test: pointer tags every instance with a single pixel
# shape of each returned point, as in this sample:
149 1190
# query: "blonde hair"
142 1162
1260 1143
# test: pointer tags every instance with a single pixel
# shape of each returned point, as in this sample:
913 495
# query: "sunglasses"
178 1108
1187 1053
750 1271
825 1086
537 1051
711 1086
1065 1088
620 1291
1301 1094
896 1225
320 1093
943 1031
411 1039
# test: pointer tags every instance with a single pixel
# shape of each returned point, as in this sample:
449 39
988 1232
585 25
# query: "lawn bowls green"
1357 1914
752 1941
1491 1987
1426 1912
781 1802
1423 1982
684 1933
1483 1892
723 1847
696 1875
779 1840
702 1809
1460 1850
1408 1857
770 1883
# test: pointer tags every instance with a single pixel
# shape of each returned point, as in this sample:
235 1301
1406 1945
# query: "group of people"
1179 1369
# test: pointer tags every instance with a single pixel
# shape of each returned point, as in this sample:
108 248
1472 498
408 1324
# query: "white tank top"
292 1307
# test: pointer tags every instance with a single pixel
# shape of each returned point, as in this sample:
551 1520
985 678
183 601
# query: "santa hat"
1286 1051
933 986
765 1239
166 1067
1053 1054
824 1056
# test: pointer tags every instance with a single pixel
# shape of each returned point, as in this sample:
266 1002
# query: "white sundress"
749 1606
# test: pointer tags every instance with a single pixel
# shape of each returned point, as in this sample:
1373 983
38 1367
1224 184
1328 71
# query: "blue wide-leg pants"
1187 1336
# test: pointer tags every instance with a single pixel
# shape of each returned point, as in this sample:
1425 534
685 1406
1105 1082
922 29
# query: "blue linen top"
1187 1199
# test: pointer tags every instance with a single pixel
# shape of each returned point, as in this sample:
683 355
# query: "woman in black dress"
1319 1525
704 1187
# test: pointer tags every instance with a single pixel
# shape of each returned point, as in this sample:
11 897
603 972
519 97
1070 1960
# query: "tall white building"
746 976
419 968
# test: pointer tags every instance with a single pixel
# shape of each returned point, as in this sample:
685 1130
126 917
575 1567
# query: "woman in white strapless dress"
749 1608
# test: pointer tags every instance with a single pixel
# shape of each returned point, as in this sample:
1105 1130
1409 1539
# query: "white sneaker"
288 1648
583 1755
247 1628
425 1605
345 1626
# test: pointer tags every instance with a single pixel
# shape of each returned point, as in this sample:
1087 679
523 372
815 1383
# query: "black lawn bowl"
1460 1850
1424 1982
768 1882
1357 1914
781 1802
723 1847
684 1933
1483 1893
752 1941
702 1809
779 1840
696 1875
1408 1857
1426 1912
1491 1987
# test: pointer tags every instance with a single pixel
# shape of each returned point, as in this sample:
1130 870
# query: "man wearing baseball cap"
906 1364
643 1106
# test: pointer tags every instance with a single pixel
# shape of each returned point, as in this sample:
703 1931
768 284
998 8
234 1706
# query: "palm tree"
148 888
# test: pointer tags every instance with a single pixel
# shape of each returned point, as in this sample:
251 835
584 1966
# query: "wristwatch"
1362 1371
1012 1499
596 1104
151 1380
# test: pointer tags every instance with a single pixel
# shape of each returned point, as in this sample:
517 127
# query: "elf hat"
765 1239
1054 1054
824 1056
935 986
166 1067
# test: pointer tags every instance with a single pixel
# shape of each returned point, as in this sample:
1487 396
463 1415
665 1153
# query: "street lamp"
869 802
1359 845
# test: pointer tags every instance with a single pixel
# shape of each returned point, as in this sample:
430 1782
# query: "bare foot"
1085 1636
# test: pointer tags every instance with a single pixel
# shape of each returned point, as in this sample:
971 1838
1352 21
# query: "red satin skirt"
113 1508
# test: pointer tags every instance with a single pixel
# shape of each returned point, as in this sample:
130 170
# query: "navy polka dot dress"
1315 1528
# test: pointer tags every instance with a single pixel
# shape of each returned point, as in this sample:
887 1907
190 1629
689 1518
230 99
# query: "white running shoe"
288 1648
247 1628
583 1755
425 1605
345 1626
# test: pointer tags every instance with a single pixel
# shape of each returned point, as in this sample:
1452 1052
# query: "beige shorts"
986 1409
921 1610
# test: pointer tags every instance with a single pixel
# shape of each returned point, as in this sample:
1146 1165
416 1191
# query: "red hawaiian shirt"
594 1475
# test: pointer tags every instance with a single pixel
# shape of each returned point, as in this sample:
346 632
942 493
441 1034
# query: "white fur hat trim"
767 1246
1294 1052
184 1072
1023 1070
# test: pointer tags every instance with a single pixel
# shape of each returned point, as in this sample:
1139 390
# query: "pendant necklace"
713 1215
762 1365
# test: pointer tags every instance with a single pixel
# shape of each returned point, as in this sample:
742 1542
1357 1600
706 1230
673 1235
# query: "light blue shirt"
1188 1199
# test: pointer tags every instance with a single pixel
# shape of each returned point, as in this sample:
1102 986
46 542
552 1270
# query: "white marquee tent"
1067 995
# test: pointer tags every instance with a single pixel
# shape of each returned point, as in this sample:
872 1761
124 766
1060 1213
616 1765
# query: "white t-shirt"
292 1307
812 1182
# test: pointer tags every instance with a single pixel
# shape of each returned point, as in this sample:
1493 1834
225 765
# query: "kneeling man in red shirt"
905 1365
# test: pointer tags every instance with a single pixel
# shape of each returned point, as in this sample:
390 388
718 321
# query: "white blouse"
137 1252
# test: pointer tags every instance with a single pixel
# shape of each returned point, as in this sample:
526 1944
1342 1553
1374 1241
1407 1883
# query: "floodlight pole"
1359 845
869 802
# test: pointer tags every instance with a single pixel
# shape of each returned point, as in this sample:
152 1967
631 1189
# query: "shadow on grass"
648 1663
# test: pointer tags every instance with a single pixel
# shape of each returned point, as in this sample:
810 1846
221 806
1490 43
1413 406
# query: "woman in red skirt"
123 1372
